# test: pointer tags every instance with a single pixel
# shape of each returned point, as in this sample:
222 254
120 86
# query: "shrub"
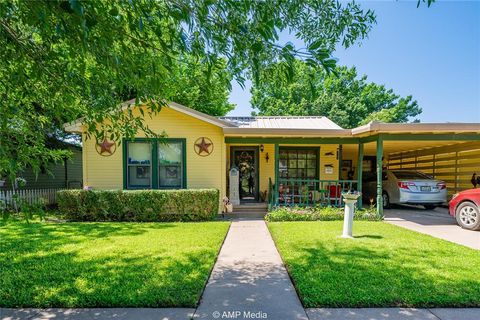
139 205
317 214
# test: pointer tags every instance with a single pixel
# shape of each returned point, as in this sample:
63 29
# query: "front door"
246 160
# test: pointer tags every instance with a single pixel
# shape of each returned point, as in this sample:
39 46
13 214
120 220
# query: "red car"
465 207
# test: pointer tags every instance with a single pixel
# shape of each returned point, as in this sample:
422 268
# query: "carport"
446 151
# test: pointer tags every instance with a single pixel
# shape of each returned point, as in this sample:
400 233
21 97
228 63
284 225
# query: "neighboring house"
65 174
282 160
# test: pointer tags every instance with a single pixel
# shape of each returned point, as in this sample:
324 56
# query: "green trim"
154 159
340 159
184 161
154 150
379 176
356 140
292 140
360 173
124 157
277 163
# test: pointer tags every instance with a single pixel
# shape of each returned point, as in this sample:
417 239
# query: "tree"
342 96
191 86
61 60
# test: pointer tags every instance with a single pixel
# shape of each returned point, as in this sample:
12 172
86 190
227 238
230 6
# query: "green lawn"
384 266
106 264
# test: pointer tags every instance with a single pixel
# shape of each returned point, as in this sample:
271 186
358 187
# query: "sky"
431 53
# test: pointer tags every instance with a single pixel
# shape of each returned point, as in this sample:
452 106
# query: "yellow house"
281 160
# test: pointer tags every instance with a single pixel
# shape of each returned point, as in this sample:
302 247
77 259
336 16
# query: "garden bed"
317 214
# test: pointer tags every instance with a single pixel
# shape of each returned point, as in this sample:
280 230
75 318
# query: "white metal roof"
292 122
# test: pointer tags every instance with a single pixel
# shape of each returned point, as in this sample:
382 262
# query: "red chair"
335 194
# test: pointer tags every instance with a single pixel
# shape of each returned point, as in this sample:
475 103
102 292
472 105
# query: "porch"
449 152
309 192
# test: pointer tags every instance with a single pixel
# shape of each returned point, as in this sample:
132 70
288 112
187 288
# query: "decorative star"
203 146
106 146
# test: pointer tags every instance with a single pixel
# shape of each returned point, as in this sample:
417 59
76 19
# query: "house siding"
266 169
102 172
54 176
327 156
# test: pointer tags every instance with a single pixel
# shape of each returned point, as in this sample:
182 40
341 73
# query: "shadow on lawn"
343 275
43 266
369 236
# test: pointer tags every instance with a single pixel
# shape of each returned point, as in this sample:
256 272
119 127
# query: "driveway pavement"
437 223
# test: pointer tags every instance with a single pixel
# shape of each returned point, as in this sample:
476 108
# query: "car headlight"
454 196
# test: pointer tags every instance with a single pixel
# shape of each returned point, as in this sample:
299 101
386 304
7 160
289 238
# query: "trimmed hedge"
139 205
317 214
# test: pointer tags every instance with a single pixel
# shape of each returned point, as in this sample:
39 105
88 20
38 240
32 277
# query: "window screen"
139 167
170 165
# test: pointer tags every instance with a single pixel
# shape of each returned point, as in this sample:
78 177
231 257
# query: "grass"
106 264
383 266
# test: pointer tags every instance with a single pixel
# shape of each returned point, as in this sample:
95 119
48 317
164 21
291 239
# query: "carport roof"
448 127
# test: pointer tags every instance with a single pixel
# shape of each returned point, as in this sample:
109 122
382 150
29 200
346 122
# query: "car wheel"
429 206
468 216
386 200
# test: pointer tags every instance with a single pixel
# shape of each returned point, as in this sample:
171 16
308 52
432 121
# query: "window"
298 163
139 173
155 163
170 173
411 175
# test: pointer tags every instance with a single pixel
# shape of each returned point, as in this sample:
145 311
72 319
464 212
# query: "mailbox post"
349 198
234 186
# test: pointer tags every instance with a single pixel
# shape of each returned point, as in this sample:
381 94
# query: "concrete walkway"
97 314
394 314
187 314
437 223
249 280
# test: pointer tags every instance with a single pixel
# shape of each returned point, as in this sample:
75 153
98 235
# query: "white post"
349 199
234 186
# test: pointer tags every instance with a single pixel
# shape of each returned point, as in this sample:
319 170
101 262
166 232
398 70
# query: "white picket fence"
31 196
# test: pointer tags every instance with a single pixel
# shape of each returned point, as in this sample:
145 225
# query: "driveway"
437 223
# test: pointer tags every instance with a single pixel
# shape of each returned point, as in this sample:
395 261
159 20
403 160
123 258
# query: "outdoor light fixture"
267 157
261 148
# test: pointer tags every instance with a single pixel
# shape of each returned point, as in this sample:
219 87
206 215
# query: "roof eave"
294 132
76 126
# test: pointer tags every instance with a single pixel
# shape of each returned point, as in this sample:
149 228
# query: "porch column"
277 159
360 172
340 158
379 176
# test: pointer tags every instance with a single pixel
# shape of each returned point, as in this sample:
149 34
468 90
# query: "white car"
407 187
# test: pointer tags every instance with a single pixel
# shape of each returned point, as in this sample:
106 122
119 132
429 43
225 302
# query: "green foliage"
384 266
106 264
317 214
344 97
428 2
30 210
62 60
139 205
201 87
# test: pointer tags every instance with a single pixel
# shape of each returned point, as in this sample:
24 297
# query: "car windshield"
410 175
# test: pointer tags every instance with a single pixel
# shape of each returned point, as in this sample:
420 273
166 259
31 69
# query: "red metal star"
106 146
203 146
